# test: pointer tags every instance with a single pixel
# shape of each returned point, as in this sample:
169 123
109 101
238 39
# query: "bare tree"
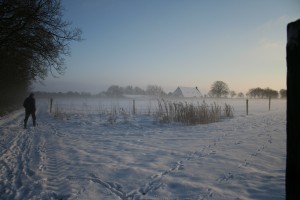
33 41
36 30
241 95
232 94
282 93
155 90
219 89
115 91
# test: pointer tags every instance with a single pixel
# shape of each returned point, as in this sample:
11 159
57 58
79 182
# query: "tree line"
266 93
221 89
34 38
112 91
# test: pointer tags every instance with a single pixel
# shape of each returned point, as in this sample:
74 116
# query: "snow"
187 92
84 155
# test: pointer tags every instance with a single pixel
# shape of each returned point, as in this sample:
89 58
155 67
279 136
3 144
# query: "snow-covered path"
85 157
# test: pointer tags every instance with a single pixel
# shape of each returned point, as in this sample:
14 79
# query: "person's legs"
33 118
26 118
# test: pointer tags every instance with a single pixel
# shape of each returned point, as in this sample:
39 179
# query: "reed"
189 113
228 110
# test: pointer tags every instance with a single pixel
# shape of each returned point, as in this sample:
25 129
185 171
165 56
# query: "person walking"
29 105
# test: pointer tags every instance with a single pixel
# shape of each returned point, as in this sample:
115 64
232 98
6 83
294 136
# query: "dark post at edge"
293 111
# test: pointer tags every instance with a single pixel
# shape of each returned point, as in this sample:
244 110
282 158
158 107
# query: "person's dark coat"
29 104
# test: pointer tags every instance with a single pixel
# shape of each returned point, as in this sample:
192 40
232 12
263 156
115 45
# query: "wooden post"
269 103
293 111
247 106
51 102
133 107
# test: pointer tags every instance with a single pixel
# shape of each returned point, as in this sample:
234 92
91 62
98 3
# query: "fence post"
269 103
51 102
133 107
247 106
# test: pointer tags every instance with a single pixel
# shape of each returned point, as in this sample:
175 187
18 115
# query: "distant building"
187 92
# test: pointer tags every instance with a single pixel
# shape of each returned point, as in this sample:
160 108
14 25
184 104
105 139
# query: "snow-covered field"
84 155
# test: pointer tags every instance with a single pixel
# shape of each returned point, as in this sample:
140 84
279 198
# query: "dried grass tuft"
191 114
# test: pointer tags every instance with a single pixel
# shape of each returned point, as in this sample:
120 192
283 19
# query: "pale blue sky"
174 43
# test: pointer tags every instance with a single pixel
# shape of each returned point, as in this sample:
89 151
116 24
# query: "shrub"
228 110
190 114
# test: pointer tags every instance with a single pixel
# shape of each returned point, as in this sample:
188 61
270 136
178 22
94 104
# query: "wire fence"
151 106
121 106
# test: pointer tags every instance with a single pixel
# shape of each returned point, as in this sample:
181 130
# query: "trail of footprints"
59 182
55 170
18 163
154 183
254 154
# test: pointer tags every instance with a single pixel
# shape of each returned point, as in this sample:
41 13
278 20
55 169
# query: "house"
187 92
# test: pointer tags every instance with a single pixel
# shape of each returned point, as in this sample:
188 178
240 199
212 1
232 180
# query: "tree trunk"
293 111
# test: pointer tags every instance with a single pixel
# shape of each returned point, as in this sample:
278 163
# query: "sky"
171 43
